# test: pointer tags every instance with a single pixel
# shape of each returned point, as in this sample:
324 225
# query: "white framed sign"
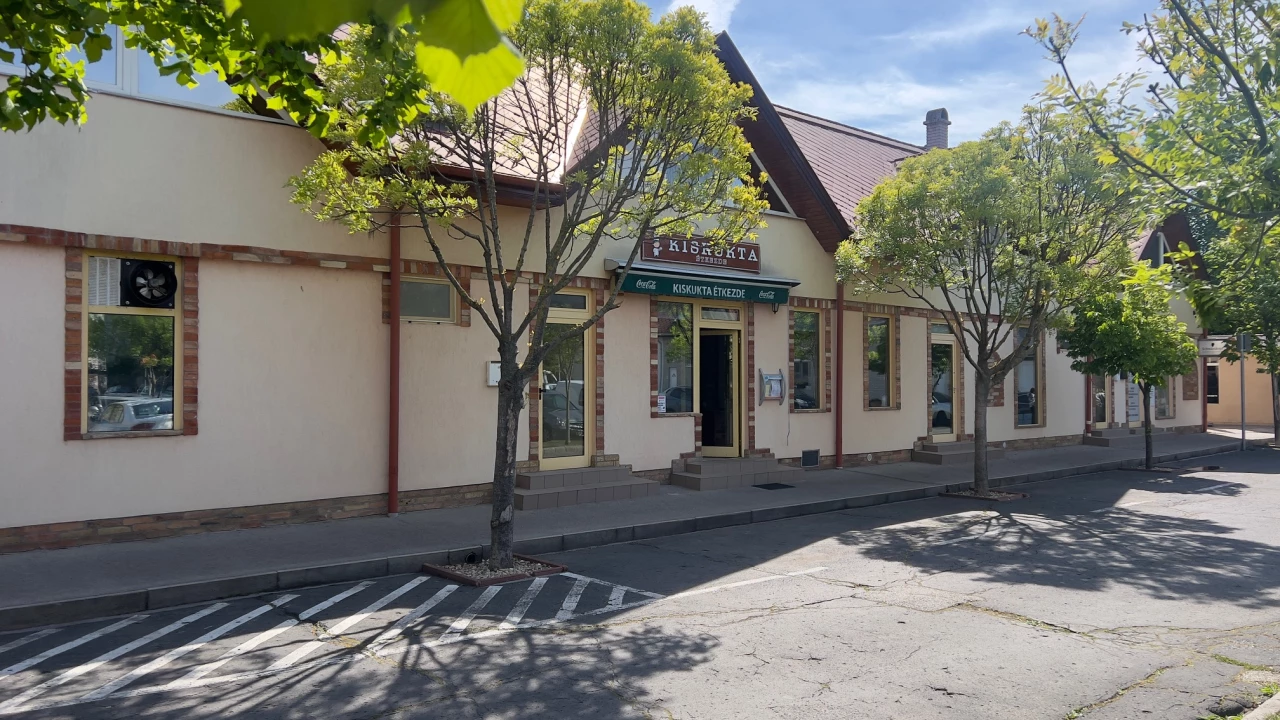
772 386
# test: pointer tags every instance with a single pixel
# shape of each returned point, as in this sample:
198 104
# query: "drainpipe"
1204 388
839 374
393 433
1088 403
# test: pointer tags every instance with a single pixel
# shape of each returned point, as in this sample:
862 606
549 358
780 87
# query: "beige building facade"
257 391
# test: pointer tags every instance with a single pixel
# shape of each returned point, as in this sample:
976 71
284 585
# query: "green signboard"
639 282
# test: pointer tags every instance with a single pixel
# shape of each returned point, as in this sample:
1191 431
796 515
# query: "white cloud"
965 31
718 12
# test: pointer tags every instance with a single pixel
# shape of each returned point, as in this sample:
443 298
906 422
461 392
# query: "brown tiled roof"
848 161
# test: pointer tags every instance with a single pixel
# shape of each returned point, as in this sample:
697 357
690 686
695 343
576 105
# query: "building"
251 387
1222 391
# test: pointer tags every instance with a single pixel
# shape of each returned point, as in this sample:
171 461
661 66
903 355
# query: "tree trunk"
1275 410
1146 423
502 515
982 393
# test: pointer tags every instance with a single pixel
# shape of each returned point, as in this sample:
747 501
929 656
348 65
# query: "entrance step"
951 453
1120 437
724 473
561 488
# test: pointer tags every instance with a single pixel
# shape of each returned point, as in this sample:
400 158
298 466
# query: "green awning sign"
639 282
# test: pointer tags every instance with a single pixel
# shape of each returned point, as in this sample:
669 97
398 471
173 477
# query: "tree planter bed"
479 575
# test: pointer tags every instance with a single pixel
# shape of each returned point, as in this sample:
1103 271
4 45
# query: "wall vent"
810 459
104 281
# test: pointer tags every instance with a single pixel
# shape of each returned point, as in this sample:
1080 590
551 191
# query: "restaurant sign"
701 251
705 289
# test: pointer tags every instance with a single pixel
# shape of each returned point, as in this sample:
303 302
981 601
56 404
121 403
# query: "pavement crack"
1078 712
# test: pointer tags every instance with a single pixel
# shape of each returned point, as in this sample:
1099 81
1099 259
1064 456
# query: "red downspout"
839 374
1204 388
393 434
1088 403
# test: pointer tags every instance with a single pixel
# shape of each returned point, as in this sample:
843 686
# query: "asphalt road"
1119 595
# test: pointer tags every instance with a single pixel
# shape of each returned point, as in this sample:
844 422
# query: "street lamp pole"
1245 346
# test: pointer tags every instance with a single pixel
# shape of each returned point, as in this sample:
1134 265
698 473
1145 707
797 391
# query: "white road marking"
741 583
1122 505
571 600
176 653
26 639
395 630
345 624
615 597
522 605
460 625
191 678
1216 487
19 667
637 591
14 704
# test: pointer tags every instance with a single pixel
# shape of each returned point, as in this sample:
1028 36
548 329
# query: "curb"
1266 710
66 611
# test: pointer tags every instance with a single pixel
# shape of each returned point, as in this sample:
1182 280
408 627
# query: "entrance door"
718 392
1100 405
943 400
567 409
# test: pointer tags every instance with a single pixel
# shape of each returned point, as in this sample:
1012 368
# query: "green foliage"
1132 331
1003 232
1247 292
1202 130
460 45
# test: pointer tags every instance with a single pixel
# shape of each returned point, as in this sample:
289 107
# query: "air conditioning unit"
128 282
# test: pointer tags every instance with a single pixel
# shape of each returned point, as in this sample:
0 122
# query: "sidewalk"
53 586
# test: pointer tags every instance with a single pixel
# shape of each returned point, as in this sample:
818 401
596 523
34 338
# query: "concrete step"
1135 440
729 466
692 481
1112 432
564 496
573 477
952 453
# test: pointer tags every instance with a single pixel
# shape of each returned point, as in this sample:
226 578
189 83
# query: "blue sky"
881 64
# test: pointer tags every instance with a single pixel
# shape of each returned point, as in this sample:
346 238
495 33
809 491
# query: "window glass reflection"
131 372
878 362
805 365
675 357
564 397
1027 380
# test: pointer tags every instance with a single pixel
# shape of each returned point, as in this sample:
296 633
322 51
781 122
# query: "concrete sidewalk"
53 586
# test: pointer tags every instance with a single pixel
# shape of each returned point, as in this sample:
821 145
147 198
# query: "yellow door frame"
573 316
956 390
734 329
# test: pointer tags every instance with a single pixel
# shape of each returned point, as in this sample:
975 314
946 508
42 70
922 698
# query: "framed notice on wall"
771 386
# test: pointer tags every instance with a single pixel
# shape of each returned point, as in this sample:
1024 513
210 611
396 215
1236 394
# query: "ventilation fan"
147 283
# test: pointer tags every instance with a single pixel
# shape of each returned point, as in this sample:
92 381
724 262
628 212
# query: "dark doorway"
717 373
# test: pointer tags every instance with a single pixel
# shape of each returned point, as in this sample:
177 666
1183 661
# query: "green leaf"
477 79
505 13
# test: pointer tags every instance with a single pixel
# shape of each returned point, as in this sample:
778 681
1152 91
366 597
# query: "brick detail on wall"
1191 385
996 398
599 343
534 399
429 269
73 362
190 345
750 400
146 527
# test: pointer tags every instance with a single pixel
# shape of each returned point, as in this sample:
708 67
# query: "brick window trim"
73 364
824 310
1191 385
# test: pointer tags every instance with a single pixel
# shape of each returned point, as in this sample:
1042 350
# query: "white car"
135 414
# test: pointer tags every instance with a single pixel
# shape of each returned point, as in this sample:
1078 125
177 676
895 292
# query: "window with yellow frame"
878 351
131 364
806 360
428 300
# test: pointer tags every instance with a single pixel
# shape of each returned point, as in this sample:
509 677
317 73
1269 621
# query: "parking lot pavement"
1119 595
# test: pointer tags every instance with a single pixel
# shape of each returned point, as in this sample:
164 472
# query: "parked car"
804 400
679 399
134 414
560 416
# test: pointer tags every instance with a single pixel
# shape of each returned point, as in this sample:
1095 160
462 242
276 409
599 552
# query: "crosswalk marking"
30 662
615 597
26 639
345 624
176 653
395 630
741 583
571 600
193 677
14 703
522 605
459 626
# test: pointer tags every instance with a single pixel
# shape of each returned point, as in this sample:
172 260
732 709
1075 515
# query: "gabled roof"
850 162
1176 230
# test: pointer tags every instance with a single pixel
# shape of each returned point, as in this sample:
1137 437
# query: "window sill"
654 414
868 408
130 434
809 411
1037 426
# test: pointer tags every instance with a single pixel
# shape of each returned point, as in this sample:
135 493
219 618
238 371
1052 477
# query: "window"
939 328
427 300
1211 383
1027 378
1163 398
131 71
879 362
1098 388
725 314
806 362
130 363
568 301
675 357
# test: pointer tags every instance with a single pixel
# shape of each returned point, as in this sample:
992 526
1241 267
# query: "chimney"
935 123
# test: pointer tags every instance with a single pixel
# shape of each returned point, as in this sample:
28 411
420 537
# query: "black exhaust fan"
147 283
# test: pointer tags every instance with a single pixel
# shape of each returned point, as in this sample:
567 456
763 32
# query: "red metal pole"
1204 389
839 374
1088 403
393 434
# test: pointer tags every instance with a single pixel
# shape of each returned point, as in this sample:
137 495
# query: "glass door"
942 390
1100 405
567 406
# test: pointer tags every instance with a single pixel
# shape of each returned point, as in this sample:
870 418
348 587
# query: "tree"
1205 129
998 236
1132 332
1249 303
661 152
265 49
